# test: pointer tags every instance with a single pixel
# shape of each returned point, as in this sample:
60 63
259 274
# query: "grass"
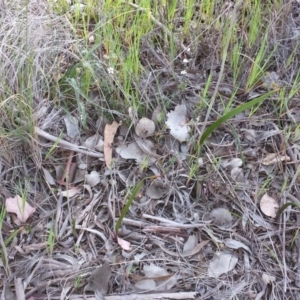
104 58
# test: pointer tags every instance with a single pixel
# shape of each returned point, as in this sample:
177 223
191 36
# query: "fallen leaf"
72 126
109 134
222 263
237 174
48 177
93 178
91 142
124 244
100 145
249 134
221 217
268 205
155 272
20 207
99 279
268 278
176 121
152 271
138 257
196 249
71 192
190 244
157 189
273 158
146 284
234 244
233 163
145 127
133 151
146 146
167 284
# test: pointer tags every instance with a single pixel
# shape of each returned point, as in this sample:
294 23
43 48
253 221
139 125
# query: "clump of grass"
31 41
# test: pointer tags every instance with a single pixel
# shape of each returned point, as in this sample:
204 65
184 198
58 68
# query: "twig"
67 172
170 223
67 145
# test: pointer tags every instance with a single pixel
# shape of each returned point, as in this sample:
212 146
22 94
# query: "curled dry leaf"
157 189
222 263
93 178
145 127
20 207
176 121
221 217
109 134
268 205
273 158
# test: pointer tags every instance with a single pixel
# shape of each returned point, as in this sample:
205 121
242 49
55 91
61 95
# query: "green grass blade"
231 114
284 206
129 202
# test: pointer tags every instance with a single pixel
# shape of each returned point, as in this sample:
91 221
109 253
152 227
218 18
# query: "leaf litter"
202 224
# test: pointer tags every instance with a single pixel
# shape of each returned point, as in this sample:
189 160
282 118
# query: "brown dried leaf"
268 205
20 207
109 134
